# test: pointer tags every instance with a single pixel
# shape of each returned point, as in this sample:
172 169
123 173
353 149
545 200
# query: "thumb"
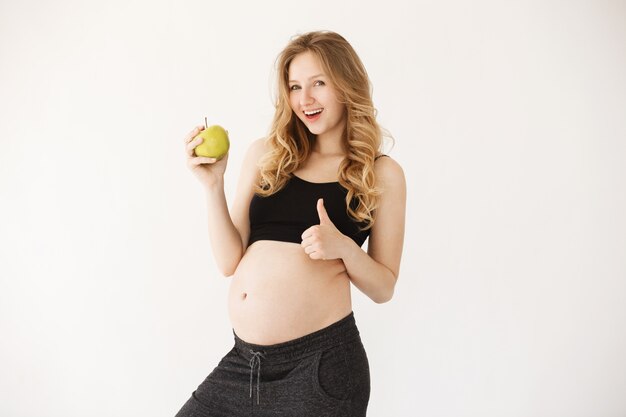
321 211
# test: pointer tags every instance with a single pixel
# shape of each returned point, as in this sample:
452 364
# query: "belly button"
243 296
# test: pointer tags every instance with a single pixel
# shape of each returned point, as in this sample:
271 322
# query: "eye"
296 87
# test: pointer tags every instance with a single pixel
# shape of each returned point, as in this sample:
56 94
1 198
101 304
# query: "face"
310 91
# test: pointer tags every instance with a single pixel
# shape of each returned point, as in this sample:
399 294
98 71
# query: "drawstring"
255 356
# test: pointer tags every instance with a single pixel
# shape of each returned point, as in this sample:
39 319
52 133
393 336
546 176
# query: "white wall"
509 124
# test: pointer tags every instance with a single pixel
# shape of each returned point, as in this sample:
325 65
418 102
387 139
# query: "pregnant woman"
308 196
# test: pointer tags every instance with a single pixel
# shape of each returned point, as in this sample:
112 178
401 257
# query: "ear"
321 211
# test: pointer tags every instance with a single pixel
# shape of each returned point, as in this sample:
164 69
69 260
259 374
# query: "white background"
509 120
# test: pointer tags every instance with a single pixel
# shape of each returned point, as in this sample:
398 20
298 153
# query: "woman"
308 196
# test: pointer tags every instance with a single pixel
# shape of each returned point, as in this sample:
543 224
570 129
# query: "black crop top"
285 215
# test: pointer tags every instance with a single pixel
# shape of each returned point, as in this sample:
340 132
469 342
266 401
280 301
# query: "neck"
330 143
325 147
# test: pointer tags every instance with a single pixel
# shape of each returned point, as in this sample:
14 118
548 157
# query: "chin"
313 129
318 132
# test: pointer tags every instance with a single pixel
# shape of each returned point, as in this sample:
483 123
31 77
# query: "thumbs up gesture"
323 241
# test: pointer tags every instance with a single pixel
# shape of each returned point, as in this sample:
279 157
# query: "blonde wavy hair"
290 142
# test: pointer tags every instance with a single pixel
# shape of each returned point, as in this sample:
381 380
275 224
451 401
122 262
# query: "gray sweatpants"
325 373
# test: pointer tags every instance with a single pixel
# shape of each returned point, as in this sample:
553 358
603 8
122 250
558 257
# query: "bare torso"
278 293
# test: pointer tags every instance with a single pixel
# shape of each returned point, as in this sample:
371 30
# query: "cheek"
293 102
332 102
337 110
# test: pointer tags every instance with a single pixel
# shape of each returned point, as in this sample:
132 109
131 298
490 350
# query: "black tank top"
285 215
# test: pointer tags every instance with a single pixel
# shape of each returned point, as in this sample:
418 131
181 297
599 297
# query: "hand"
208 170
323 241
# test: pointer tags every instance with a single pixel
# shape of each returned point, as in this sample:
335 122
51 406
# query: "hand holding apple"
215 142
208 169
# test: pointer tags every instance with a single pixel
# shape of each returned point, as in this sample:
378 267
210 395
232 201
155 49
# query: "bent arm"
376 272
228 233
372 278
226 242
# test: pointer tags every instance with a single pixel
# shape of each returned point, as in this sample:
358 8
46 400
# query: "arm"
224 236
376 272
229 232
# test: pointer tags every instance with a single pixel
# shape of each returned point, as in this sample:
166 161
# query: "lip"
315 117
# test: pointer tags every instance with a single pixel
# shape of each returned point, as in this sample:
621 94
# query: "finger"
201 160
307 249
321 212
315 255
193 133
306 234
306 242
310 232
192 145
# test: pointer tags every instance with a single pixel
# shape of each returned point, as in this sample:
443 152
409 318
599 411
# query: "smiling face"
313 98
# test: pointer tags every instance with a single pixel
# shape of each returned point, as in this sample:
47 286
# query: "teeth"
313 112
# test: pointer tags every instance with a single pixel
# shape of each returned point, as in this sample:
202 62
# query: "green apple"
215 143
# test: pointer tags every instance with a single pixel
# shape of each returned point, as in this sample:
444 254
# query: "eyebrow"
315 76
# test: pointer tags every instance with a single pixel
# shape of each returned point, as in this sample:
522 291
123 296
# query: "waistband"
340 332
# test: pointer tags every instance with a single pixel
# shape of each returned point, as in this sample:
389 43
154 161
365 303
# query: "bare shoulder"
259 145
389 172
250 167
257 148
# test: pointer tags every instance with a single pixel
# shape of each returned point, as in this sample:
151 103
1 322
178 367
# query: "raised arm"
228 234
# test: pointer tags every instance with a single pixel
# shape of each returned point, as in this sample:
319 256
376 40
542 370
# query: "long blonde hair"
290 142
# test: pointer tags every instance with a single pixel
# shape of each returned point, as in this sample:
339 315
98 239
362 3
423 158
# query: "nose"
305 97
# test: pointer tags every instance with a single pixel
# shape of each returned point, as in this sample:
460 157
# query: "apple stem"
205 123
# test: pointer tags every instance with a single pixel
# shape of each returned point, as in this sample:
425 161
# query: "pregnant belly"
278 293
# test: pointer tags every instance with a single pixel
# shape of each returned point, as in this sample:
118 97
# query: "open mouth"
313 114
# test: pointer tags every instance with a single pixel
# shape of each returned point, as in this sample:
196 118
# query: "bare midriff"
278 293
